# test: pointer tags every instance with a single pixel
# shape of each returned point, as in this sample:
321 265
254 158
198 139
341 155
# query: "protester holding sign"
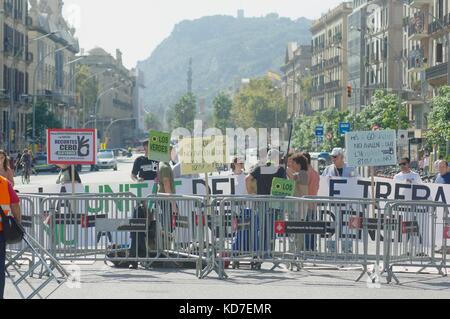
444 175
406 175
339 168
264 175
143 168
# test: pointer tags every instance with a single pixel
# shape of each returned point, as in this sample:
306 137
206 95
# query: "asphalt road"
98 281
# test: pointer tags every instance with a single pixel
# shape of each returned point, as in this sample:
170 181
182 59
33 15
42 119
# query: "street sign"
378 148
71 146
159 145
344 128
320 131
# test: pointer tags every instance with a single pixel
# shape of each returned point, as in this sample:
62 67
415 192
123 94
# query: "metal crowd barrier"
320 232
214 233
414 229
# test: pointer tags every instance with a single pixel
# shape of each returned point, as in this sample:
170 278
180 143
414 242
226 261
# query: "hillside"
223 49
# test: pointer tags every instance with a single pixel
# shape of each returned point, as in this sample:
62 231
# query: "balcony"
332 85
417 29
416 61
420 3
435 27
436 73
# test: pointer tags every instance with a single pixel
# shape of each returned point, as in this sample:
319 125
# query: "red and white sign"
280 228
72 146
446 232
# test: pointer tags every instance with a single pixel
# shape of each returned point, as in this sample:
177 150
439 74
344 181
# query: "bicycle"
26 176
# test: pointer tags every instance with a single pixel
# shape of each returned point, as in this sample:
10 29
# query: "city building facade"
329 68
14 82
296 68
114 113
52 71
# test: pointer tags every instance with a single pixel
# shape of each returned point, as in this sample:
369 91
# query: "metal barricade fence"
295 231
126 230
417 237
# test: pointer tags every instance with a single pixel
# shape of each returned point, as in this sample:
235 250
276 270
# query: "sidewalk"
100 282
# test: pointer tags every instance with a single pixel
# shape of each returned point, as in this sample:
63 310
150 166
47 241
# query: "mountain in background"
224 49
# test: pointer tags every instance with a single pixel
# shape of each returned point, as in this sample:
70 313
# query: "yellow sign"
202 154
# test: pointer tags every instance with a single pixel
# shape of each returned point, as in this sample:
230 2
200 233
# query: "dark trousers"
2 265
138 246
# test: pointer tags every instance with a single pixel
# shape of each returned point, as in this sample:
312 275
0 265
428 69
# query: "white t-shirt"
240 186
410 178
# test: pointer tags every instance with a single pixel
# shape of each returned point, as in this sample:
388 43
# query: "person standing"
5 168
144 169
9 202
313 177
339 168
237 171
406 175
444 174
263 175
426 164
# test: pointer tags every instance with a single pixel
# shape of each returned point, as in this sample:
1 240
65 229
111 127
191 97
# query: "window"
439 53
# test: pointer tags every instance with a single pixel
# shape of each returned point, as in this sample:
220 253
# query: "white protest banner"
72 146
374 148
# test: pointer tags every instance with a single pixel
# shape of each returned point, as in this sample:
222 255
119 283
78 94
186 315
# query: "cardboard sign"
202 154
283 187
371 148
158 146
72 146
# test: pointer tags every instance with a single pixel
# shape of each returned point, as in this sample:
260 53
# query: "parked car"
40 164
106 160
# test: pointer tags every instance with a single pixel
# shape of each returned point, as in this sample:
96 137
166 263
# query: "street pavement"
99 281
125 165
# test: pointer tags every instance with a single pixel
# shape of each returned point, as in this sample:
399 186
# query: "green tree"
259 104
44 119
184 112
222 105
384 111
305 127
439 120
152 122
86 91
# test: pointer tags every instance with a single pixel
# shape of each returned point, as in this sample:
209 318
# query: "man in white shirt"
339 168
407 175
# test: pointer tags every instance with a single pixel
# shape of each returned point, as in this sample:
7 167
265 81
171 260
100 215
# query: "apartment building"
116 97
14 82
54 48
329 63
426 31
296 68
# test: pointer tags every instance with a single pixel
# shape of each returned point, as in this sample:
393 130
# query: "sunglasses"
403 164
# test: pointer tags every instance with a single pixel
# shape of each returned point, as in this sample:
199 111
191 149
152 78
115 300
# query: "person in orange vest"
9 202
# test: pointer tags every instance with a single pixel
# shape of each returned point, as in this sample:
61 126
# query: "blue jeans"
2 265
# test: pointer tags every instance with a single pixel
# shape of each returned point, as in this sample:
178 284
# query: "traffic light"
349 91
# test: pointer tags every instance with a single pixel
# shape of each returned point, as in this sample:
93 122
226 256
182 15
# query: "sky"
136 27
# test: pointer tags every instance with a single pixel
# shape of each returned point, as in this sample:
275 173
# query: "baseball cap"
337 152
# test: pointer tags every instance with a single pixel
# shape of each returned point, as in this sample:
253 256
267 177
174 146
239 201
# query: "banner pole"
372 185
73 179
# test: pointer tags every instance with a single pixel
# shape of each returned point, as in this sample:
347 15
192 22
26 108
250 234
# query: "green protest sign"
283 187
158 146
